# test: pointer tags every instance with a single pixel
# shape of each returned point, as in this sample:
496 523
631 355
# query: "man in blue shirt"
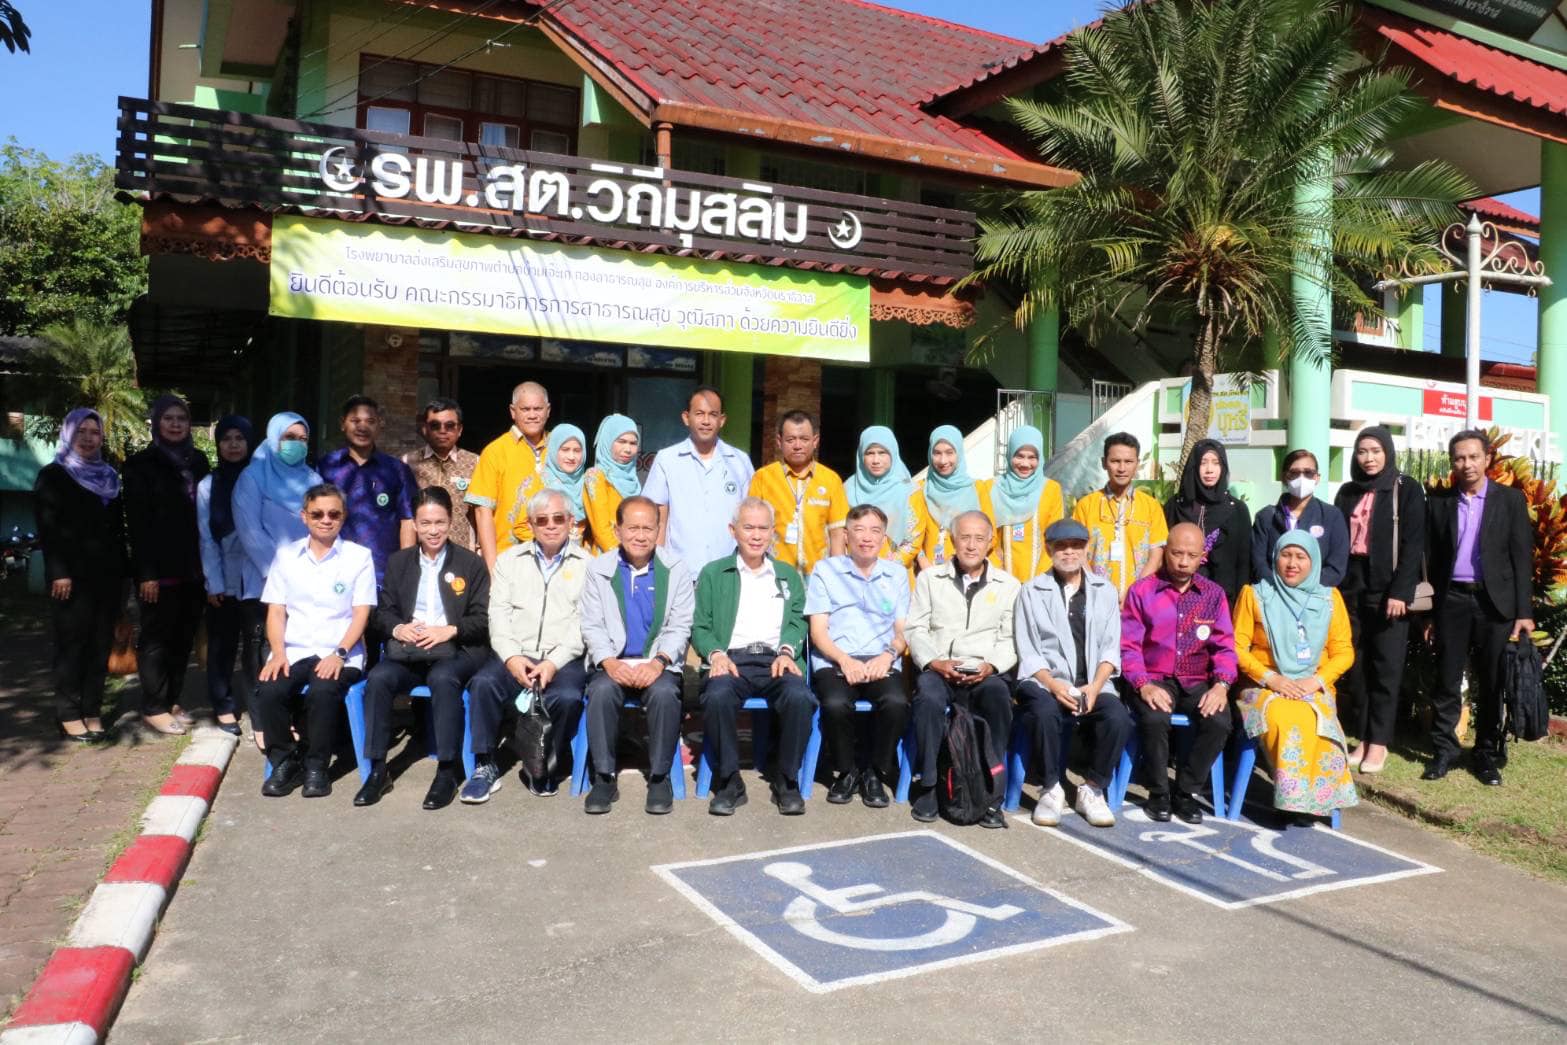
697 483
857 604
380 488
636 607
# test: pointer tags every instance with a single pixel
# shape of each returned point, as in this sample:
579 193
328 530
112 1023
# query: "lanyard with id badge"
792 530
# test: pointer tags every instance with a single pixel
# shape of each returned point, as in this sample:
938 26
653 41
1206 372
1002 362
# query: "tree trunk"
1199 405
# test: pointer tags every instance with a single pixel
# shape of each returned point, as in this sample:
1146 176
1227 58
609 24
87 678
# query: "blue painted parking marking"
1234 863
844 914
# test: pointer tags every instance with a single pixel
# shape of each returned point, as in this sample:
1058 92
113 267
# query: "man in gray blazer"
1068 629
636 609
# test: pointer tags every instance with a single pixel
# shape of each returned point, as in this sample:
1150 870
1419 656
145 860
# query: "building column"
1411 317
1310 378
1044 364
883 395
1552 354
734 381
390 376
1455 320
787 384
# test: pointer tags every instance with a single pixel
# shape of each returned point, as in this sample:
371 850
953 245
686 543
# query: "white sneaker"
1047 812
1091 806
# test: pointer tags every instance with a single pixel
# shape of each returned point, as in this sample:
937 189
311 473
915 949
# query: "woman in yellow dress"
946 492
611 480
1023 504
881 478
1292 640
565 469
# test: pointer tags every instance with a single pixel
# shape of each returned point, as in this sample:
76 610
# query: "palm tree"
1192 126
85 363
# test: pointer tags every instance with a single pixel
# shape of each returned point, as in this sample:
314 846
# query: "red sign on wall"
1453 404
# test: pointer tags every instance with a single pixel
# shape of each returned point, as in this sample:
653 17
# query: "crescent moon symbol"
846 235
338 175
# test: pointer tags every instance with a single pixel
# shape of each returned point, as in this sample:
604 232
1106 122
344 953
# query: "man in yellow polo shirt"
809 505
507 474
1126 527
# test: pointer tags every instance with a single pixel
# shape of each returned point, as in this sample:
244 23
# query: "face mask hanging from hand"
291 452
1301 486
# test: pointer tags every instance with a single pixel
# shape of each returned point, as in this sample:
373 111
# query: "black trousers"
278 701
1469 630
168 631
1381 647
787 695
229 634
493 690
1109 721
1153 728
991 700
889 718
446 678
661 701
83 637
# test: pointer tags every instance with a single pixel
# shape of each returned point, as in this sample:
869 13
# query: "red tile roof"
1473 64
1504 215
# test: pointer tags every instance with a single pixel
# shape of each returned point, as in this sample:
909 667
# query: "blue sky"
86 53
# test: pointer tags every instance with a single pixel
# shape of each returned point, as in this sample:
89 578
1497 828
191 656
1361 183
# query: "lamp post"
1488 259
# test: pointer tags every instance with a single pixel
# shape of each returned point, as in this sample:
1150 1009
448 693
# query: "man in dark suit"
1481 562
434 608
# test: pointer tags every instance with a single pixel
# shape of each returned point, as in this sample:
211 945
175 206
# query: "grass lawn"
1523 822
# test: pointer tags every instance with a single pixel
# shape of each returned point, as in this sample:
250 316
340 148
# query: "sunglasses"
558 519
1308 473
331 513
443 426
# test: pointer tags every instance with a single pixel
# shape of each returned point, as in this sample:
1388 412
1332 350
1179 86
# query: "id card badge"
792 534
1118 547
1302 647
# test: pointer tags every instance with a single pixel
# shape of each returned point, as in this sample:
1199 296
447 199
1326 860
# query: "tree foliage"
68 248
1193 126
87 363
14 32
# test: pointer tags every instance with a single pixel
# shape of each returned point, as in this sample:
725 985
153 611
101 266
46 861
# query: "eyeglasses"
557 519
1301 473
443 426
331 513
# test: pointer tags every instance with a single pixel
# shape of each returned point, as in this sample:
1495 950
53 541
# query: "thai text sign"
1229 419
1454 404
1520 18
396 276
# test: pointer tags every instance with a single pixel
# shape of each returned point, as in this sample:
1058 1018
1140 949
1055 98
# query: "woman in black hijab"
1205 499
1378 586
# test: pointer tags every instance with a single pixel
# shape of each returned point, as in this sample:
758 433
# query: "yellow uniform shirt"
805 508
1020 548
505 477
1122 534
600 499
932 541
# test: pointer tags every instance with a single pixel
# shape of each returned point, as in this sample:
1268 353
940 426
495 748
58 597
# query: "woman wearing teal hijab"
1292 640
946 493
881 478
1023 504
565 468
612 478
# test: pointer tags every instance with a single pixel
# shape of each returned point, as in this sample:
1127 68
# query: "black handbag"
410 653
535 735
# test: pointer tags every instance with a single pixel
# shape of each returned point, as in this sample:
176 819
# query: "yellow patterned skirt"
1305 746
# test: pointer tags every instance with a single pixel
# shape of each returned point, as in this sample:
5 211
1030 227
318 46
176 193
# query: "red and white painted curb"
76 996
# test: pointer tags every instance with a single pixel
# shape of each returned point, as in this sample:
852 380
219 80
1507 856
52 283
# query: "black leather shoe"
317 783
286 776
1187 809
1486 772
1158 808
442 790
375 785
1437 768
872 792
603 794
728 798
790 801
843 788
994 818
660 796
923 807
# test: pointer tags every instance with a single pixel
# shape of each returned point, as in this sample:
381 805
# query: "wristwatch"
340 653
663 658
786 651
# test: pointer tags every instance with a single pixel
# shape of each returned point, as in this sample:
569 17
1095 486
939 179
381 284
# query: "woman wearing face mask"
160 517
566 469
946 492
1204 498
1379 585
1023 504
230 578
81 528
881 478
1299 510
611 480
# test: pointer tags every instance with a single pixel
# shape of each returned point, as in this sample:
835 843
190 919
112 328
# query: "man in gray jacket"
536 633
1069 648
959 632
636 621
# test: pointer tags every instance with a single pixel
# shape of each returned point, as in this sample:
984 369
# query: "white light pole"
1489 259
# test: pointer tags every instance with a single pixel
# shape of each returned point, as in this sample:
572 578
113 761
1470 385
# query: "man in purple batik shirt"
1178 657
380 489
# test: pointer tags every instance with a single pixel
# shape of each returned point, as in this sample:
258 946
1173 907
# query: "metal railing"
1105 394
1016 407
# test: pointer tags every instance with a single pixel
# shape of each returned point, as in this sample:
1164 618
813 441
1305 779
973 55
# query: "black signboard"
1520 18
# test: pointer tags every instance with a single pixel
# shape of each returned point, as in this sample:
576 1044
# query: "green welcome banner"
392 276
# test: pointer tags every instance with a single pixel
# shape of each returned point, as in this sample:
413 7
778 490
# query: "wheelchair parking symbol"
864 910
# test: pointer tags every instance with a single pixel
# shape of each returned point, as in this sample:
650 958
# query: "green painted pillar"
1411 317
883 397
1310 369
1552 353
735 378
1044 364
1455 320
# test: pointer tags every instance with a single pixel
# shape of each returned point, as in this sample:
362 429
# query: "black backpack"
1523 681
969 771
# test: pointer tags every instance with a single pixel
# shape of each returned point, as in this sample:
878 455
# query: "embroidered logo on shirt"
382 500
339 588
730 487
461 482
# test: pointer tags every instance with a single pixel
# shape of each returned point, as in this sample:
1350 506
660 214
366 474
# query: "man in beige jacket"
536 632
960 636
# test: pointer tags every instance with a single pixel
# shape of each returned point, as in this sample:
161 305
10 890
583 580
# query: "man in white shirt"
697 483
319 594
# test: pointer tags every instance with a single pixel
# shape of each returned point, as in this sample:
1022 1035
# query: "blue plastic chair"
354 698
813 751
761 745
579 757
1245 762
1117 797
1020 749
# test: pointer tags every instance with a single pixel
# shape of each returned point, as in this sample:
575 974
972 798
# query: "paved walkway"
305 921
65 809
